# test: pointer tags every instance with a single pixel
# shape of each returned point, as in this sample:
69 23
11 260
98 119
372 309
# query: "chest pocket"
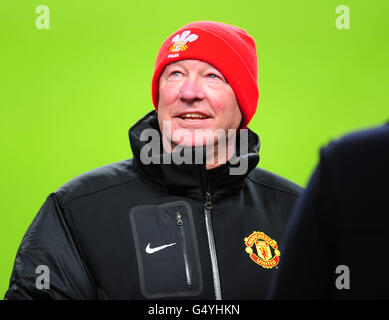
167 250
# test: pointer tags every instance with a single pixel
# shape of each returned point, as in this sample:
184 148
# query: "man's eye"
212 75
175 73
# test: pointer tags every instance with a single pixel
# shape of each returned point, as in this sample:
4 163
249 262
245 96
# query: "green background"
68 95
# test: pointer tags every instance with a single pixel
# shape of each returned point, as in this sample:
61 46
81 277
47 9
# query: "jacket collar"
190 180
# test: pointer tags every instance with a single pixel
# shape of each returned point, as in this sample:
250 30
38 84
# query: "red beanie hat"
229 49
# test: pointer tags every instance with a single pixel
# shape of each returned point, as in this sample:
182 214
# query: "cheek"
167 96
226 106
221 103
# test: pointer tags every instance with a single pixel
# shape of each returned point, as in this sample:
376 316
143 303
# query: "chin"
191 142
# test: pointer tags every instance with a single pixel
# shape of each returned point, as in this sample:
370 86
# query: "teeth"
193 116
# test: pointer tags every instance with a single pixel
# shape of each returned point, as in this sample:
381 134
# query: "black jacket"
134 231
338 233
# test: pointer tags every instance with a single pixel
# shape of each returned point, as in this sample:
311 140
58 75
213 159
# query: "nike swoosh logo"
152 250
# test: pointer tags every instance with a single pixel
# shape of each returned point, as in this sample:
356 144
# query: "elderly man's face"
195 95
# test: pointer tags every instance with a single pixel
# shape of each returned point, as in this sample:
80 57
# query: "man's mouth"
193 116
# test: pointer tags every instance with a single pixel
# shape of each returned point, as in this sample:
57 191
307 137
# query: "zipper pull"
208 201
179 219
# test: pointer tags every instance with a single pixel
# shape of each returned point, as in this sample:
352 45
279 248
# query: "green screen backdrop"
69 94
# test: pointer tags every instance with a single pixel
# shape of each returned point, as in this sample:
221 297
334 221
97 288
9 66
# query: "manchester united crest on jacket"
264 246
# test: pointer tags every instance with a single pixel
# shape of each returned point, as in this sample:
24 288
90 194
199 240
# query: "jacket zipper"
180 224
212 247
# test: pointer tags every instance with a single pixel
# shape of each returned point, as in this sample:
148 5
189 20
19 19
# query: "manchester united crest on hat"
266 252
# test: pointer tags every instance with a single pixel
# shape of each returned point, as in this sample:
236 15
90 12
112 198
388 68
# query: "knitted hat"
229 49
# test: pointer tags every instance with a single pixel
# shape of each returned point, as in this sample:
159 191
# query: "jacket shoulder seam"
97 191
274 187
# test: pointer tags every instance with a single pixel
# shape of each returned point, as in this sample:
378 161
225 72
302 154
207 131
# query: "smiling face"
195 95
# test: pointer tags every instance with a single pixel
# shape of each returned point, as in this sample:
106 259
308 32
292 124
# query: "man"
170 223
336 240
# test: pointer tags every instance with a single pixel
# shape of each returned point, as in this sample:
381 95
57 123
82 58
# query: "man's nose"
192 90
